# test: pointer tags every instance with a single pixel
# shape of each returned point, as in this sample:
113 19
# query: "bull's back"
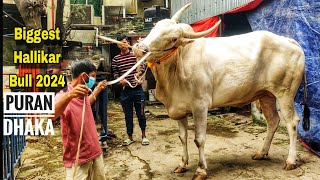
242 66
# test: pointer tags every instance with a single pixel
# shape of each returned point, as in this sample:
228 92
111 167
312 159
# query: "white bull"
200 73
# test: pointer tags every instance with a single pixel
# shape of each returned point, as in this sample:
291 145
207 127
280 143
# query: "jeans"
129 98
102 107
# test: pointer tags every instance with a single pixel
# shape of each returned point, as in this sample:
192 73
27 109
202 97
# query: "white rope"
129 71
139 81
80 138
132 68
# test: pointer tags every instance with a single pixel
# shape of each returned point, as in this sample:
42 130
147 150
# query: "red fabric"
246 7
33 69
209 22
308 147
70 130
206 24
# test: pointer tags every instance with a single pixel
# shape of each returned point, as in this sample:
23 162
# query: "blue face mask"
91 82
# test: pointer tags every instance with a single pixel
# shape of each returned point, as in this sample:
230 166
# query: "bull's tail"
306 110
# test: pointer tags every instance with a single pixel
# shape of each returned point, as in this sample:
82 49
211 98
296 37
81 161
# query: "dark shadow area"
235 24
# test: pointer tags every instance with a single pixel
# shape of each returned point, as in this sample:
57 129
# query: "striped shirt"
122 63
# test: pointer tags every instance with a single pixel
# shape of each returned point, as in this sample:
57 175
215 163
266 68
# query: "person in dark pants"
101 111
130 97
102 106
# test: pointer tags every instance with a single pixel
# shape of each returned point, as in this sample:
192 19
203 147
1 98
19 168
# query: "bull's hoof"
198 176
289 166
180 169
259 156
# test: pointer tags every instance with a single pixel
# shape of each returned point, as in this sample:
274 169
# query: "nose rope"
130 70
138 81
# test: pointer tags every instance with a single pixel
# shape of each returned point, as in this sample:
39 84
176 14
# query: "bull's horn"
177 15
193 35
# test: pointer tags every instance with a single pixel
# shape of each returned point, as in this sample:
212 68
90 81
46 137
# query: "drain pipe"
52 14
166 4
97 34
124 9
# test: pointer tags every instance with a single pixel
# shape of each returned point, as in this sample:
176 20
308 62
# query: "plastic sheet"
300 20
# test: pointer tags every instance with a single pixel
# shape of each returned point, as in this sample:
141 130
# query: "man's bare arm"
79 91
61 105
102 85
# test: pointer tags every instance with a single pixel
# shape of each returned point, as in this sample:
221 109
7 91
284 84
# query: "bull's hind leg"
291 118
183 135
269 109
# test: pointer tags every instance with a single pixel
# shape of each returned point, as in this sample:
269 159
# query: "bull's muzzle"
143 47
139 50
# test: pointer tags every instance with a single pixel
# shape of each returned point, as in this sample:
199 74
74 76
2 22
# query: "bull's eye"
174 39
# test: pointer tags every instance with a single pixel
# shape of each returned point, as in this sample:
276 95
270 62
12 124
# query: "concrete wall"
85 36
8 2
135 7
8 47
5 80
85 53
131 5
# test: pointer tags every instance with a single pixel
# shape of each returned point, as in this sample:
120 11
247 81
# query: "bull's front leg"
183 135
200 123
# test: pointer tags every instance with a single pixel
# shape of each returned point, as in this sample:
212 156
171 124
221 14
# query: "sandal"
127 142
145 141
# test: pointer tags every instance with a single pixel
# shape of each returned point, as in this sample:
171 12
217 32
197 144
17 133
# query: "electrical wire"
12 18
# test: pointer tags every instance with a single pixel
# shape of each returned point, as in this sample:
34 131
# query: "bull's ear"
183 42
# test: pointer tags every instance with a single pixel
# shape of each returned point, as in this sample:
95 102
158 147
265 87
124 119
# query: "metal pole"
5 158
12 157
124 8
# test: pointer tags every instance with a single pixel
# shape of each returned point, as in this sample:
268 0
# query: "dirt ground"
231 141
